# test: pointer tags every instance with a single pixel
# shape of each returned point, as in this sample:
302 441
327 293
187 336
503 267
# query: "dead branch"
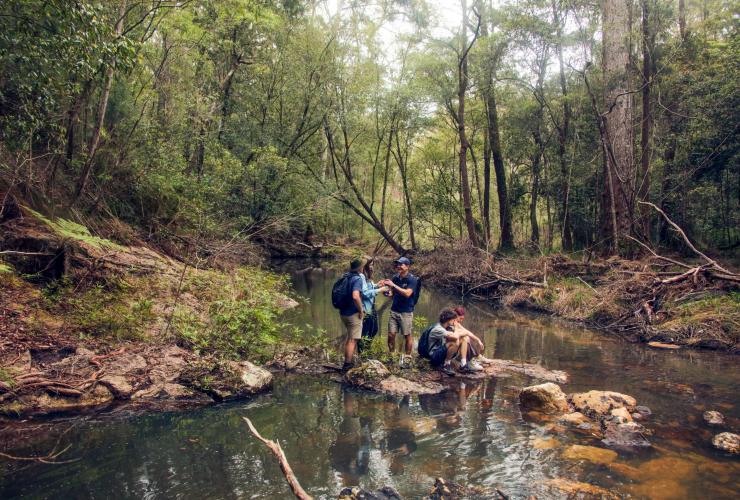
298 491
680 231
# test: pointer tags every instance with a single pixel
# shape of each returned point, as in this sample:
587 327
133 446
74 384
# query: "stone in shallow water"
600 403
590 453
576 489
545 443
727 442
713 418
627 435
546 398
575 418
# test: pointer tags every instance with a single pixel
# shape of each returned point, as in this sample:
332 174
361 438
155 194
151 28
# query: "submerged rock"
641 412
590 454
713 418
545 398
576 489
727 442
357 493
625 435
601 403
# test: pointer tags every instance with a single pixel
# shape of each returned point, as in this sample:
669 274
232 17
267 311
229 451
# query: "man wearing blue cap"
403 286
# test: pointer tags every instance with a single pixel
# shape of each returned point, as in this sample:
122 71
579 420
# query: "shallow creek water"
473 434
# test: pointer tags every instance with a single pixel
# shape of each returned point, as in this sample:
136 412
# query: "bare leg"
452 348
409 344
349 350
391 341
463 351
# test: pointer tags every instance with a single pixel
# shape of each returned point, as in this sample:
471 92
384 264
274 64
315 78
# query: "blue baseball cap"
402 260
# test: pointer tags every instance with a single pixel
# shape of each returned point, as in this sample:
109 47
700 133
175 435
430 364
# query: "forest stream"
473 434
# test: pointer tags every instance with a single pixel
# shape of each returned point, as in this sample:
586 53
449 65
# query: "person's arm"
358 302
467 333
406 292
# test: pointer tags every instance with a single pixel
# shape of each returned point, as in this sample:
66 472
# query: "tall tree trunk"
563 133
102 108
682 19
402 160
494 143
643 194
487 188
617 195
535 237
462 72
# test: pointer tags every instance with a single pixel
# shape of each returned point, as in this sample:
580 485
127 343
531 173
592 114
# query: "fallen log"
295 486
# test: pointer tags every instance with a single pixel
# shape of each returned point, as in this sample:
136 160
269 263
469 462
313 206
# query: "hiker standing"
369 291
404 287
351 311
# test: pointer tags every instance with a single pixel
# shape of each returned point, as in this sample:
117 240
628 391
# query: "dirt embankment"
86 322
648 300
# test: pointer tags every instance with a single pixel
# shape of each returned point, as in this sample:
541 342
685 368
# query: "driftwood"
298 491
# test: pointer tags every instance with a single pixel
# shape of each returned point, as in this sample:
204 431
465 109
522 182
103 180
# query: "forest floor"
648 300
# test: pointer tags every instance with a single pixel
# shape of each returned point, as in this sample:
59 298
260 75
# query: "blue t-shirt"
403 304
367 295
355 284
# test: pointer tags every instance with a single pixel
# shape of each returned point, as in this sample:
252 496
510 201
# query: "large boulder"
226 380
727 442
545 398
597 404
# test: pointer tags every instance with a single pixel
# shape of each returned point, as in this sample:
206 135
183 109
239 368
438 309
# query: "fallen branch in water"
49 458
298 491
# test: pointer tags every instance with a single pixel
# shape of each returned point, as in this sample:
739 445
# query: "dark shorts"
437 356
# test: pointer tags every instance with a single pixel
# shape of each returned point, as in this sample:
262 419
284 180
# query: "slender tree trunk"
463 155
563 133
102 108
507 237
682 19
487 187
647 117
620 176
535 237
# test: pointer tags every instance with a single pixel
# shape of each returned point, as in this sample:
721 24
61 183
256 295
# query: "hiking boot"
405 362
347 366
447 370
466 368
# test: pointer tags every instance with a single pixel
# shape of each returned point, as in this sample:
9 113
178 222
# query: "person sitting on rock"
476 346
445 343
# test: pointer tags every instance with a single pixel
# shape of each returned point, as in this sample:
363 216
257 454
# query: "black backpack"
423 347
417 291
340 296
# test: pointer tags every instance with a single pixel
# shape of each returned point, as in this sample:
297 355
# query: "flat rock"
401 387
713 418
590 454
357 493
119 386
727 442
226 380
600 403
493 367
545 398
171 391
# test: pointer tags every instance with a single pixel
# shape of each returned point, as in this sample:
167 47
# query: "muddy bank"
639 300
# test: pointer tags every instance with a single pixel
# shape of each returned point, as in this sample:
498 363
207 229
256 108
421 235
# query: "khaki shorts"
401 322
352 326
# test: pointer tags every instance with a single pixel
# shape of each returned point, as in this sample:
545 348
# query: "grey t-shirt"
436 337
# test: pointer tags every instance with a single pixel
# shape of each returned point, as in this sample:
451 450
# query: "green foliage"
69 229
240 316
5 268
116 309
